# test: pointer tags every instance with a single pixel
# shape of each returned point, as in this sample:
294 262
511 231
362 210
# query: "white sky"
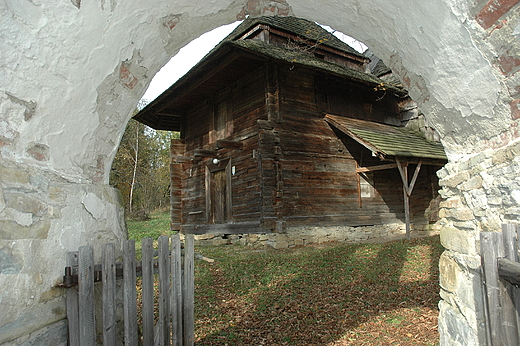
191 54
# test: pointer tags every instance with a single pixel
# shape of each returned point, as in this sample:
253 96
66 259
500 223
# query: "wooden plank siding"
248 106
294 168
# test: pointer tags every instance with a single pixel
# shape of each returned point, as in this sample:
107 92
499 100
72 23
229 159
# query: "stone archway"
72 71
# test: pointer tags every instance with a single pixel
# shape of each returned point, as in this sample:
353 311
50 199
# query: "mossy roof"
386 140
301 57
297 26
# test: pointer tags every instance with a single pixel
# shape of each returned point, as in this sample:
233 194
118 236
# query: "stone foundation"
73 71
298 236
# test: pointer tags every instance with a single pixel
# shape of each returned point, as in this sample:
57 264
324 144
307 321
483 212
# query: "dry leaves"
334 294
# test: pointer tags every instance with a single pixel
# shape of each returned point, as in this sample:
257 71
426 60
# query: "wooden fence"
174 323
501 279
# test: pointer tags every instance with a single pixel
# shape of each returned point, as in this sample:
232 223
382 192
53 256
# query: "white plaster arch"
72 71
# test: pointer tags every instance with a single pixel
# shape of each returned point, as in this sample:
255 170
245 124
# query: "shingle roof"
299 57
386 140
298 26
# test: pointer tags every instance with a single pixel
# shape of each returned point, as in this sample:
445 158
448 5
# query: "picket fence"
174 324
501 280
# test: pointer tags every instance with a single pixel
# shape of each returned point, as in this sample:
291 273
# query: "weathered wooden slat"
148 294
176 290
188 294
72 305
221 143
87 320
491 250
164 290
109 295
511 299
509 270
205 153
129 293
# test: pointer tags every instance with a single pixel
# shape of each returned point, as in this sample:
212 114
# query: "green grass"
362 294
314 295
156 226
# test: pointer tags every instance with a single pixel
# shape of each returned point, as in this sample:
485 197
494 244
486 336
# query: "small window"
366 182
222 121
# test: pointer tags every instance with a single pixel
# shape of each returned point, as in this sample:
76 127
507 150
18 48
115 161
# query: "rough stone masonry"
72 71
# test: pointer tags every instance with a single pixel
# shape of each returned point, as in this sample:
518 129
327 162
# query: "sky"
191 54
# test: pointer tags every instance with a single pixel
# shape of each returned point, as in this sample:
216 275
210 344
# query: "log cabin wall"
246 99
294 169
318 165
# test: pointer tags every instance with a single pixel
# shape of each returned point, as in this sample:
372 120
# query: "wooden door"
218 196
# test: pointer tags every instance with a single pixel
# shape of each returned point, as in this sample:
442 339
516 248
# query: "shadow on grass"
312 295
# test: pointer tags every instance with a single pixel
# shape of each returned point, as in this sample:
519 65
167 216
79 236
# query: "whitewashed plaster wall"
72 71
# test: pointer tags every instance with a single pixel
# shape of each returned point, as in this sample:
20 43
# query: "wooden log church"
281 126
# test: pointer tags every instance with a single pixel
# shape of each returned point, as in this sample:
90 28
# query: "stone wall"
299 236
73 71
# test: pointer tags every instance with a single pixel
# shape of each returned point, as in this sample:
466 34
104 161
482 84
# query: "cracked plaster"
74 71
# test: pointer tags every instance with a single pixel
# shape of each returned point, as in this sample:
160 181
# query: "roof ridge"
296 25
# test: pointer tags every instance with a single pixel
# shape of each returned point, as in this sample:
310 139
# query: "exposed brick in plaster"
493 10
508 64
171 20
38 151
515 109
127 78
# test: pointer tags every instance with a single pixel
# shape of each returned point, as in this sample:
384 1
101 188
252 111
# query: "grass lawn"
328 294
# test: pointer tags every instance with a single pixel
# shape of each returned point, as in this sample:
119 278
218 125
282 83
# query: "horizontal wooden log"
509 271
204 153
376 168
228 144
182 159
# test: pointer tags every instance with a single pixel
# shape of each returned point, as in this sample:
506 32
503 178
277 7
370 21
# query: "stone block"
25 203
455 239
9 175
472 184
461 214
54 335
205 236
12 230
454 328
451 272
454 180
453 202
506 154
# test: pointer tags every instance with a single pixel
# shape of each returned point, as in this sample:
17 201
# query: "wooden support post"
407 189
360 201
403 170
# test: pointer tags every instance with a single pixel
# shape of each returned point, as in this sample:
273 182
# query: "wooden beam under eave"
375 168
